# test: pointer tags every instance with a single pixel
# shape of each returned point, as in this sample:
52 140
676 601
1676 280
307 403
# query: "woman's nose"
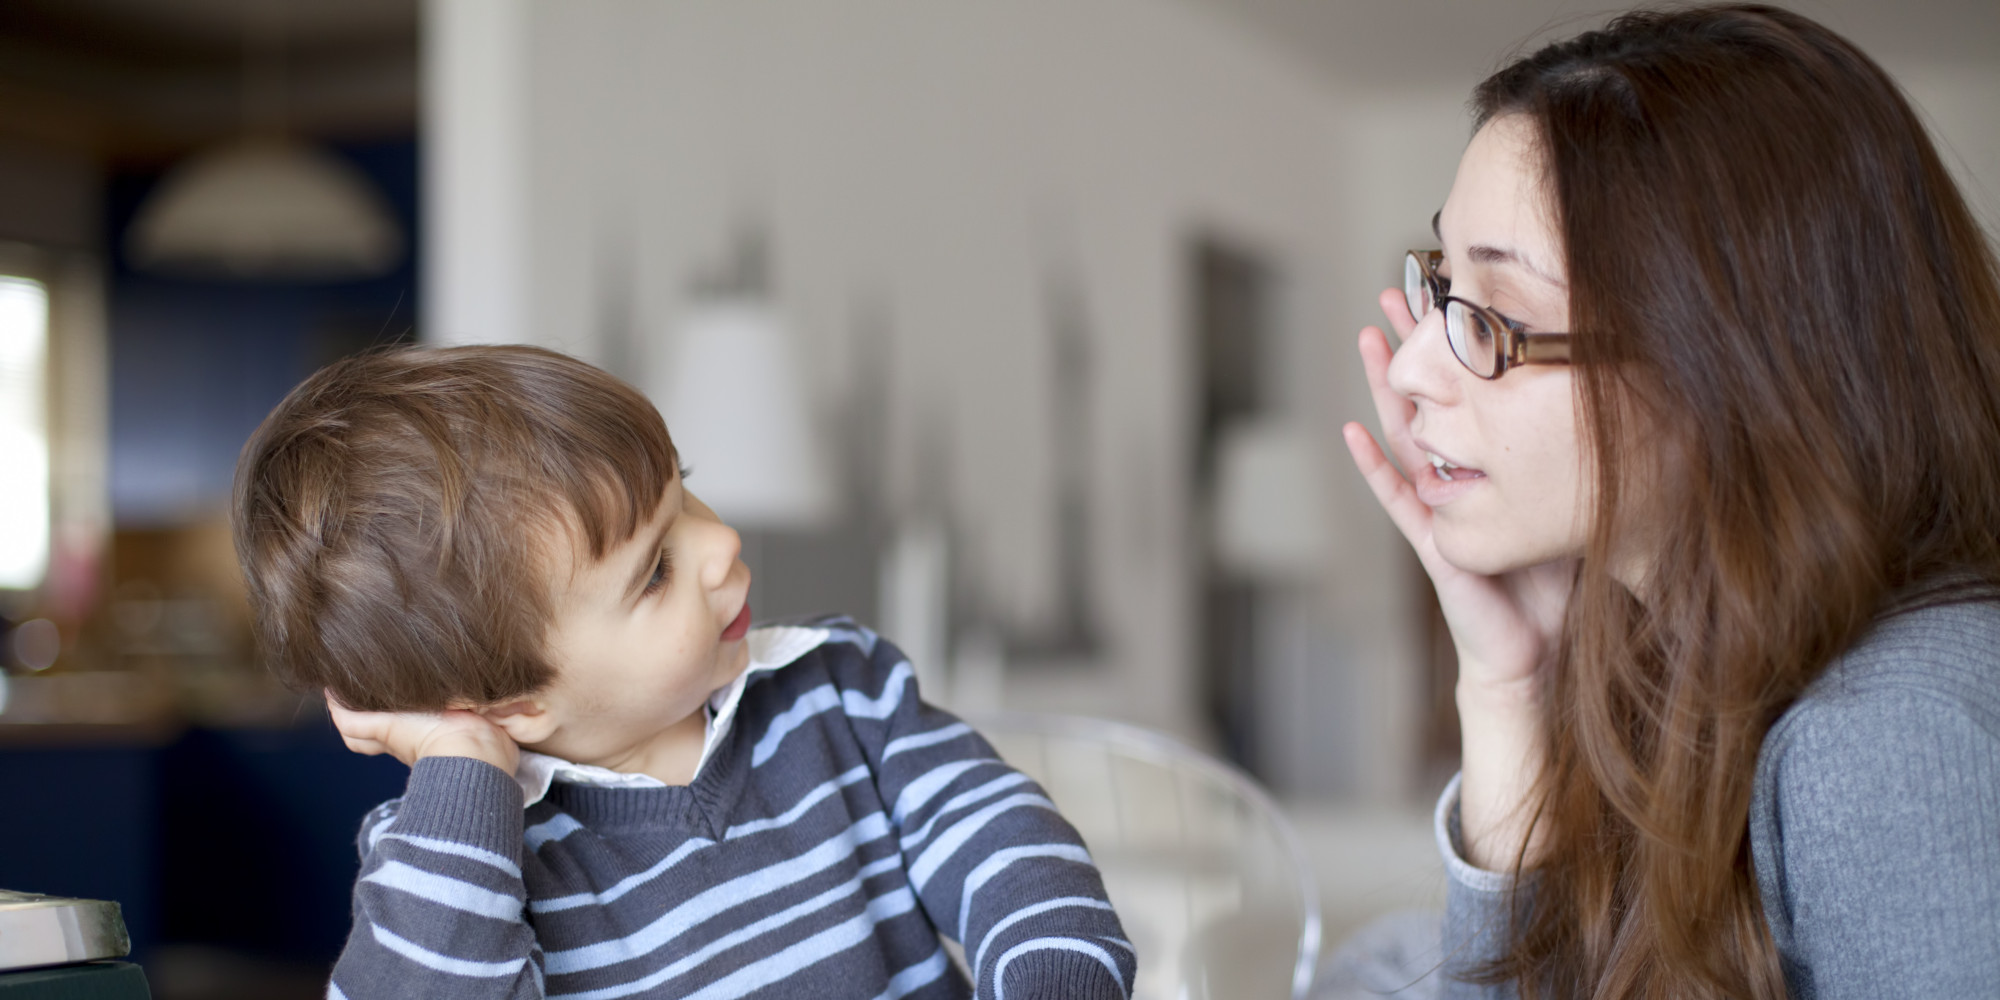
1423 366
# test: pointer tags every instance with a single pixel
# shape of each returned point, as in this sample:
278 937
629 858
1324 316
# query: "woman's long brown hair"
1789 365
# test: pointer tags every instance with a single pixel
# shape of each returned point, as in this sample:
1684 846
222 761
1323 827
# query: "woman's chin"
1485 556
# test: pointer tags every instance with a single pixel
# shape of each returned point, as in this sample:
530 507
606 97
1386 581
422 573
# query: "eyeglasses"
1484 341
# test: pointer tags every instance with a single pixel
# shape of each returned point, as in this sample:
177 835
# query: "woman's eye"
663 568
1482 334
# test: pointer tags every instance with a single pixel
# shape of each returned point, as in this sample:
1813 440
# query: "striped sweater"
836 826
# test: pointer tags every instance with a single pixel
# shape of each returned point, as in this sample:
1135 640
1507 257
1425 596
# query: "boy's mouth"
740 627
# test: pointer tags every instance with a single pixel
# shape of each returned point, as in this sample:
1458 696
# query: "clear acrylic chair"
1206 873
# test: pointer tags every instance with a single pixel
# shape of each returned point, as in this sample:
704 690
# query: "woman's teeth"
1444 468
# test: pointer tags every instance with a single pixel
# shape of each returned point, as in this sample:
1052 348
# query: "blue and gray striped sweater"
837 826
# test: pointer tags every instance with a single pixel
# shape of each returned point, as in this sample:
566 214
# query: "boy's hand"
408 736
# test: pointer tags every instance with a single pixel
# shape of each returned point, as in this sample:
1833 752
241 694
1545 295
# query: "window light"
24 435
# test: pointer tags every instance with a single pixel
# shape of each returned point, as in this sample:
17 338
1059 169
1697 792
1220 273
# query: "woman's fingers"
1394 409
1397 308
1413 518
1397 497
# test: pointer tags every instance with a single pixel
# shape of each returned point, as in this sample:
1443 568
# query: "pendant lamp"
266 208
266 205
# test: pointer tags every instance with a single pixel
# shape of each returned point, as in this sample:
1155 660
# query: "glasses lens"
1472 338
1416 290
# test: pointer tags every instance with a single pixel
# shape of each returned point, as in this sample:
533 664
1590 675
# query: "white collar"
771 647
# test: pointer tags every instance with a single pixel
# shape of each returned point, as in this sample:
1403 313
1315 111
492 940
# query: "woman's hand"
1503 627
408 736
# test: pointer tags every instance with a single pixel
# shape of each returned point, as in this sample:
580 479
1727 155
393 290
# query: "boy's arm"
439 904
994 864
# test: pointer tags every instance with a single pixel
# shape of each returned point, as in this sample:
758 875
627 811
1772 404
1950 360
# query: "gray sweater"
1874 823
840 827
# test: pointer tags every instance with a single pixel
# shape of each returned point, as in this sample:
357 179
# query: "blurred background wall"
1021 331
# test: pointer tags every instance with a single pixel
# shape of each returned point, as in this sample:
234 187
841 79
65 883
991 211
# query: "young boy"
488 559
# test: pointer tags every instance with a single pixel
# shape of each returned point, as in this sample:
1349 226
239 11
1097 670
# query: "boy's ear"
525 720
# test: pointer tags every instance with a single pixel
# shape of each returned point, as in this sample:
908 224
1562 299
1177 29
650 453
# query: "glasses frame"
1512 346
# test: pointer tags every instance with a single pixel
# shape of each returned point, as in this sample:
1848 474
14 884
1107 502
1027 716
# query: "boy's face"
641 637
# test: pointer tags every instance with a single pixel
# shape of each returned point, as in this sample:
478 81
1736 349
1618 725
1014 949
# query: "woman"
1699 409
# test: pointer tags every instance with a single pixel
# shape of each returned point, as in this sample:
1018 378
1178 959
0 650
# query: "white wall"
1960 101
475 164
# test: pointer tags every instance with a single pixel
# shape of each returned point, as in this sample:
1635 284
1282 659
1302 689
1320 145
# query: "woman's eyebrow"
1501 255
1481 253
1485 254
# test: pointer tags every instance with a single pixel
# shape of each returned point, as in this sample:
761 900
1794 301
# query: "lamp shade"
737 407
266 208
1271 503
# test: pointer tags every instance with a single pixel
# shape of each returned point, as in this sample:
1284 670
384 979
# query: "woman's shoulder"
1937 658
1876 806
1911 711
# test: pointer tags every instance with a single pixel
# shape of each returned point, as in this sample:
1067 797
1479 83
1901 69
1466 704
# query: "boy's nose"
719 544
721 561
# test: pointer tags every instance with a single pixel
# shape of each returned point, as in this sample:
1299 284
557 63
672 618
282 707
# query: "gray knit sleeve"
1876 826
1475 909
439 907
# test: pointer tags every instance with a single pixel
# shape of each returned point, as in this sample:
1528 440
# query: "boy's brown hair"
393 514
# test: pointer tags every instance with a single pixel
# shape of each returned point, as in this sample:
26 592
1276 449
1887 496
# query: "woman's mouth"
1449 472
740 627
1440 482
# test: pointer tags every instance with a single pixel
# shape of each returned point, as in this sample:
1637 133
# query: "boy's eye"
686 471
663 568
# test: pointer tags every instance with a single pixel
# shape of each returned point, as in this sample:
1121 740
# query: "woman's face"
1517 487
